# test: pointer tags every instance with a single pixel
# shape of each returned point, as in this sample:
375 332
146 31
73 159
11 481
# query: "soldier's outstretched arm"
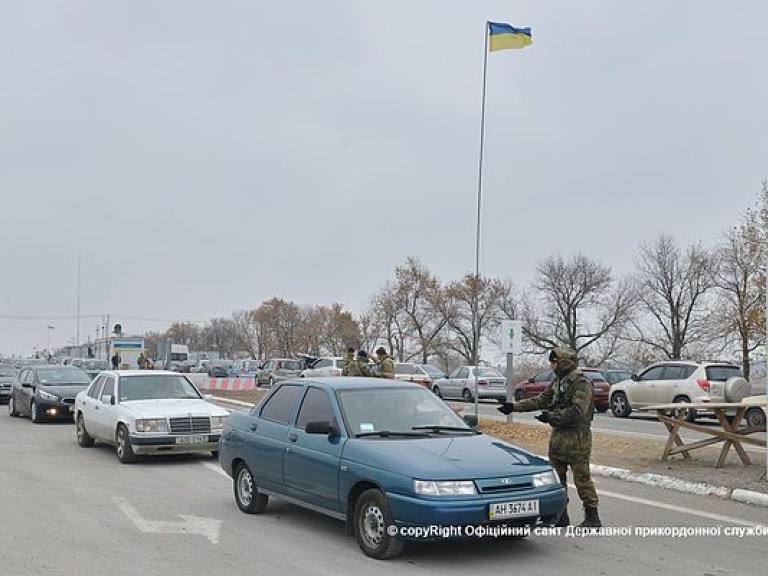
543 400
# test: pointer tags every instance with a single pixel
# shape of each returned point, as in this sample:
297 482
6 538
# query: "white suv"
679 381
324 366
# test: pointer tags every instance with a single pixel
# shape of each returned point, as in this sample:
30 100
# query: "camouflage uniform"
386 367
569 400
349 357
358 367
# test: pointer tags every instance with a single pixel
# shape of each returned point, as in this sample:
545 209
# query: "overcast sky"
206 156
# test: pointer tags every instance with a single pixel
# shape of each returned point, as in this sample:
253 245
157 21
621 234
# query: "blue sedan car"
389 458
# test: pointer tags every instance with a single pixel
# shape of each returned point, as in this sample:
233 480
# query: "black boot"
591 518
564 519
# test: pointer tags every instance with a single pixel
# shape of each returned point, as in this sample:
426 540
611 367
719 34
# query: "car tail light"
703 384
421 382
482 383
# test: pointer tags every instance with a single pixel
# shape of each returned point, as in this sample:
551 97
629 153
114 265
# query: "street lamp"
48 334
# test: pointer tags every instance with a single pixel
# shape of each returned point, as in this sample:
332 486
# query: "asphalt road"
70 510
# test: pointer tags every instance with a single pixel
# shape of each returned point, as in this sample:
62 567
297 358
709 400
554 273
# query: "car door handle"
293 436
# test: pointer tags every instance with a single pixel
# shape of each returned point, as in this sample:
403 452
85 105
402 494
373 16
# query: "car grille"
497 485
191 425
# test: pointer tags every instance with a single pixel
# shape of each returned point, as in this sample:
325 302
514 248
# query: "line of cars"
389 458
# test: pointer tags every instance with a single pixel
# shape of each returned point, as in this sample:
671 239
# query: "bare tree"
185 333
280 322
739 310
577 303
417 293
247 332
673 287
470 308
219 334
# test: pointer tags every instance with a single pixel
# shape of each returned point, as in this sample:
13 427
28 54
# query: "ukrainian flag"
504 36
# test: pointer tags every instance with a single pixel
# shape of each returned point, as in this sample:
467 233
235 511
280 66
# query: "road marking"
215 468
655 504
207 527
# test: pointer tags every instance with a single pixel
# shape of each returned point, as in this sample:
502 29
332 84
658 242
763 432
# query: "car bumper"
5 393
492 394
176 444
55 410
411 511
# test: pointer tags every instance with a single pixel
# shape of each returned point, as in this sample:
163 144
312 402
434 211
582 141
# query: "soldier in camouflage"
358 366
386 367
349 357
568 407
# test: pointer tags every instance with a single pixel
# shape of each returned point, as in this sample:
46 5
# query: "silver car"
462 384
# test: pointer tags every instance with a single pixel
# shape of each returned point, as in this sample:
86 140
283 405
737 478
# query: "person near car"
115 361
568 406
142 361
386 365
349 357
358 366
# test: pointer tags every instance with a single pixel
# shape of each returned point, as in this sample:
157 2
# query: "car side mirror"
530 380
470 419
321 427
635 377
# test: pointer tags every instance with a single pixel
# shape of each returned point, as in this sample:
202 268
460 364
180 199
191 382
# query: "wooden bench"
731 433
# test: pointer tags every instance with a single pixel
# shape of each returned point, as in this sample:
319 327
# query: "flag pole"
476 330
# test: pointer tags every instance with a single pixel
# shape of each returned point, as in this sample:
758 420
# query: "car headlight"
48 396
217 422
545 479
151 425
444 487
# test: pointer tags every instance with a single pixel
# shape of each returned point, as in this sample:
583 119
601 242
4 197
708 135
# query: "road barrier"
232 384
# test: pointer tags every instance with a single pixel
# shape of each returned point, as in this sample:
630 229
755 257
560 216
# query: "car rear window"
290 365
722 373
594 376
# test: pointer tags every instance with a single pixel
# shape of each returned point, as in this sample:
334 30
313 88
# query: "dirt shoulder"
639 455
643 456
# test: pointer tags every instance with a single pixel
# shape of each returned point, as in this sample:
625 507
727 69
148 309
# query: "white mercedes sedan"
147 412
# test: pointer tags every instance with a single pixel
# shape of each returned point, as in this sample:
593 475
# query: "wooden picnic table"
731 433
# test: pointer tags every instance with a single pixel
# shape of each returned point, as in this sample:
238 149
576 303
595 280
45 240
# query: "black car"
46 392
7 374
219 368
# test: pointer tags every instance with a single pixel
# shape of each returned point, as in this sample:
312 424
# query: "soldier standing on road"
568 407
386 367
358 366
142 361
115 361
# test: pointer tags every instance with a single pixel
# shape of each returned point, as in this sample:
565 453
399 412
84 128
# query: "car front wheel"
247 495
466 395
620 406
125 452
12 407
83 438
436 391
688 413
374 526
34 414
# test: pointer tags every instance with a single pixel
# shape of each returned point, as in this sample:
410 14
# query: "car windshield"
488 372
63 377
594 376
617 376
432 371
290 365
396 410
156 387
95 365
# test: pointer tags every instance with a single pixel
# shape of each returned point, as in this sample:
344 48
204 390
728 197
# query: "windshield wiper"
386 433
437 428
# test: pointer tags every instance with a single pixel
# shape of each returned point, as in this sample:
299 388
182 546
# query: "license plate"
192 439
513 509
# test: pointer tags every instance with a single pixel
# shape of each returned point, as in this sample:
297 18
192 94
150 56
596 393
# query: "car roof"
354 382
